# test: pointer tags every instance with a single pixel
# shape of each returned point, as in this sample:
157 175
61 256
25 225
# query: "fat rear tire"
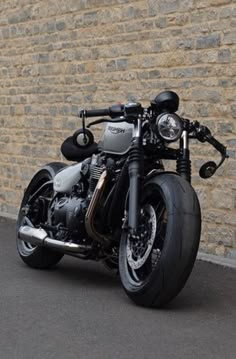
179 248
37 256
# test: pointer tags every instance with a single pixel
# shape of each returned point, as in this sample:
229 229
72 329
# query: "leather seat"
74 153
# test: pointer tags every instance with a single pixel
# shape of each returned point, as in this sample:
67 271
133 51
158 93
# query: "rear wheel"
33 211
155 267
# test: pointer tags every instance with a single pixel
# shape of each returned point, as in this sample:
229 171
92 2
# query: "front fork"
135 169
183 164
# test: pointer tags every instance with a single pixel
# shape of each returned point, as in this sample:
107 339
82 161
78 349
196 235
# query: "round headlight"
169 126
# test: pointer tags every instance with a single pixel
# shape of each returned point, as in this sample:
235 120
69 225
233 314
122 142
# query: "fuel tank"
116 138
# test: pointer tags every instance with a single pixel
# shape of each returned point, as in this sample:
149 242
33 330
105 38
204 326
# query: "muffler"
39 237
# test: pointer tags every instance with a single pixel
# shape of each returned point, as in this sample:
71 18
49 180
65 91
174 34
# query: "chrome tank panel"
67 178
116 138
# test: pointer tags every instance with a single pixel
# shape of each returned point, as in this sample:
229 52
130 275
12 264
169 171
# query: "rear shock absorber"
183 164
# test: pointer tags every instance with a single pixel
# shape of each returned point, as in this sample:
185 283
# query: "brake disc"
139 250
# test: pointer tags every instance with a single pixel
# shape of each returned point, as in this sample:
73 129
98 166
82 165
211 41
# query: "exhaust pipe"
39 237
89 224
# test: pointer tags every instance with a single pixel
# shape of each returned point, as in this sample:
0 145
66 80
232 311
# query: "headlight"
170 126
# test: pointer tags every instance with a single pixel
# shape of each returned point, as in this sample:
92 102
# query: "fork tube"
183 165
135 174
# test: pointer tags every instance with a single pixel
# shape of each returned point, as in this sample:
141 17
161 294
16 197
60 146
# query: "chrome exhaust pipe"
32 235
39 237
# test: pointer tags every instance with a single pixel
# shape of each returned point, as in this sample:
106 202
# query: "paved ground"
79 310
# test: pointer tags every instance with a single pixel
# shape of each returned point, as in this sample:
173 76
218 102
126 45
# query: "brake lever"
203 134
217 145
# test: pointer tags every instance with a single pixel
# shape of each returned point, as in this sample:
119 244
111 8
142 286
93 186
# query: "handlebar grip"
113 111
95 113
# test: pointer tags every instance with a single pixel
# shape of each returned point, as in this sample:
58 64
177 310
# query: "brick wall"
58 56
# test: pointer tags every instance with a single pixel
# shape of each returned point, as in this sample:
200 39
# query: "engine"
69 209
70 212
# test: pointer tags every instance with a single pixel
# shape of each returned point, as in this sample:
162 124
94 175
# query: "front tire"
155 268
37 256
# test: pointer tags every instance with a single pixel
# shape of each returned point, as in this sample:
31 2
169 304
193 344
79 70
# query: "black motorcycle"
117 204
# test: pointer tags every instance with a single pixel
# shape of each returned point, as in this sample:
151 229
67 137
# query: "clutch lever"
101 120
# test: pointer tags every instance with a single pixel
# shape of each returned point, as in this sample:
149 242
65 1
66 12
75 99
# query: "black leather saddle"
74 153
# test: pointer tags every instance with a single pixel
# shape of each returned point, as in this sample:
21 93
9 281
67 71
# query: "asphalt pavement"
79 311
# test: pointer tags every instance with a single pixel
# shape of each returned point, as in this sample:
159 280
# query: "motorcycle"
117 204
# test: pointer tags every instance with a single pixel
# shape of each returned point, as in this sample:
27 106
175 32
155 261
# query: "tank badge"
116 130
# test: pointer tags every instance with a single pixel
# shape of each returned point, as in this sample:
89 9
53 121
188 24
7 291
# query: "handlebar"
113 111
121 113
203 134
129 110
95 113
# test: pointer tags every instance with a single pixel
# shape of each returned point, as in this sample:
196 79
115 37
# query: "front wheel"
155 266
